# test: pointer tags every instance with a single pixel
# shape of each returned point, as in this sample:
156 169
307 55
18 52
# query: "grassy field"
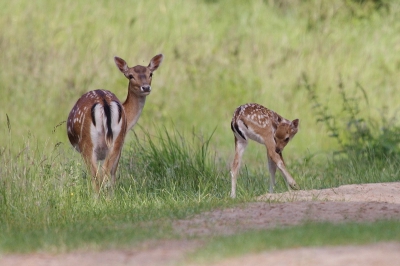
308 235
218 55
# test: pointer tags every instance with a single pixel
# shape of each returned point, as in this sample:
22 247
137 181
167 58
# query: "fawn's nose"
277 150
146 88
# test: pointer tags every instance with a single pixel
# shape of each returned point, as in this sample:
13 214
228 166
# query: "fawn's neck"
133 107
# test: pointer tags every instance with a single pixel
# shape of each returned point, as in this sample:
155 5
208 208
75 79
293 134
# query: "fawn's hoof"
294 186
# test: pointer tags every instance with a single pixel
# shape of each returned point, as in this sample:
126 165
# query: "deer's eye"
131 76
287 139
151 75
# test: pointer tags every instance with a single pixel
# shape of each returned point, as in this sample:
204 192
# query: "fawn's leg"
278 160
272 171
240 146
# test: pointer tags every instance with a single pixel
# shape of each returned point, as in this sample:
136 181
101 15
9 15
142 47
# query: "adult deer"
255 122
98 123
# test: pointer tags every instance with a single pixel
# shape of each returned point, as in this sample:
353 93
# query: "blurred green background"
219 54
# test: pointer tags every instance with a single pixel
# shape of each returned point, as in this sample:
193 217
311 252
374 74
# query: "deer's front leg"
272 171
278 160
240 146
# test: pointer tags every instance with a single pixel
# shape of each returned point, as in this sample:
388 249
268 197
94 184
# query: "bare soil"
366 202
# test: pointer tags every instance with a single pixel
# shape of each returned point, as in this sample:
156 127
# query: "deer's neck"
133 107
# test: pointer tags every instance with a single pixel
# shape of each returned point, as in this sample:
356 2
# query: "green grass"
307 235
47 202
88 234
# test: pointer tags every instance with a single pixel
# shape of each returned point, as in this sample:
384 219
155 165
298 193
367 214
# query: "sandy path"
379 192
382 254
149 254
367 202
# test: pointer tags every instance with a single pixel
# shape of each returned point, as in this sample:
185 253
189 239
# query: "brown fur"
98 122
255 122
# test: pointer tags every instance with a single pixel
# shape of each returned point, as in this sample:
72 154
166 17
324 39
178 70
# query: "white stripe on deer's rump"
116 123
98 132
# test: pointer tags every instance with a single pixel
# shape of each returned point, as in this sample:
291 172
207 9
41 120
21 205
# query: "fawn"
255 122
98 123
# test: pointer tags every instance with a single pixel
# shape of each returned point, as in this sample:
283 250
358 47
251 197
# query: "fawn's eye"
151 75
287 139
131 76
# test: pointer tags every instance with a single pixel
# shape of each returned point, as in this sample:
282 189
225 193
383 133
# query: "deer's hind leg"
240 147
92 164
111 162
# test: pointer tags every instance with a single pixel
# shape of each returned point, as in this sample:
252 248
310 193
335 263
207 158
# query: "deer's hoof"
294 186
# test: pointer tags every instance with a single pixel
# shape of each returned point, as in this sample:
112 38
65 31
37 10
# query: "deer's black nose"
146 88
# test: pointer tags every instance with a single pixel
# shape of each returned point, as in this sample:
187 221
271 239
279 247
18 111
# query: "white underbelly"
249 133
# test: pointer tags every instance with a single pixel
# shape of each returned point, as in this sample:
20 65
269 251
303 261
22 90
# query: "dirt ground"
367 202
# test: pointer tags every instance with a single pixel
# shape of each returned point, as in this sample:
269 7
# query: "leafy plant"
357 132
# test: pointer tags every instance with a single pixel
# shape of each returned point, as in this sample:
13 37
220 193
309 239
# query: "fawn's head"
285 131
139 76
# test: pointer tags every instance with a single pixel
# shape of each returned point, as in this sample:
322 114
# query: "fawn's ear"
121 64
295 123
155 62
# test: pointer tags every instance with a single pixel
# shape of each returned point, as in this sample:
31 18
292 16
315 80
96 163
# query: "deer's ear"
121 64
155 62
295 123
